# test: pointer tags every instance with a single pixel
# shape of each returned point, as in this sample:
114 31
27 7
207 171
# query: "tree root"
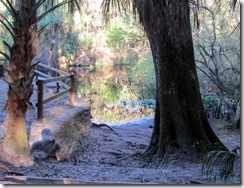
103 125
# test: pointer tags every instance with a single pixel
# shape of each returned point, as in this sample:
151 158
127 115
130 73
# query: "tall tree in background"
180 123
20 73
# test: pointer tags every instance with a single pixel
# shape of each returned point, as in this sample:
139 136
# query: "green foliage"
100 65
122 34
145 103
73 39
111 92
219 163
211 101
85 41
111 101
84 88
69 44
116 37
106 92
141 79
213 104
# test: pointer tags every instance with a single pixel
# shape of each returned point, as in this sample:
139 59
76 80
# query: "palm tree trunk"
19 77
15 146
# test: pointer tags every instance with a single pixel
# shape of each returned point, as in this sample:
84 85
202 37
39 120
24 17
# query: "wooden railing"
60 75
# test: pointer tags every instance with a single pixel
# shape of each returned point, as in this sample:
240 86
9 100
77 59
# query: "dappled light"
120 92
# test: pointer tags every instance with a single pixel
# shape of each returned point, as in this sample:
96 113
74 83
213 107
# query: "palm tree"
180 125
20 73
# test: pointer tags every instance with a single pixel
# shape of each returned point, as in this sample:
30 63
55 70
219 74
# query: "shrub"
215 107
116 37
85 41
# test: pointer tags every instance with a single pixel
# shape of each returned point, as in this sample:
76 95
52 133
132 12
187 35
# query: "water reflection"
105 87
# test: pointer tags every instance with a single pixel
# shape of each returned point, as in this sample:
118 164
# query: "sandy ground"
106 157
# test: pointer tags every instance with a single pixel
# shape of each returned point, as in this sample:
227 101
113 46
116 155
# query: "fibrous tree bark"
19 77
20 73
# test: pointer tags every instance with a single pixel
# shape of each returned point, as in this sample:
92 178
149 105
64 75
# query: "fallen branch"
40 180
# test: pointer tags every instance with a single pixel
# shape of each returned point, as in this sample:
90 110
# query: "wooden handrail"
48 76
47 79
53 69
54 79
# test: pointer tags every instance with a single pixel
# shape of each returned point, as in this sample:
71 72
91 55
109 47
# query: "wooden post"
39 84
72 91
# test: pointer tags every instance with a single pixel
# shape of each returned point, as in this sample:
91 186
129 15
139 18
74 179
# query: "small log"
40 180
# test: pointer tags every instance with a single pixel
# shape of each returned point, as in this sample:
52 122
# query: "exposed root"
103 125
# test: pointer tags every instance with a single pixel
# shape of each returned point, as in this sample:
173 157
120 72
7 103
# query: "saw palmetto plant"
219 163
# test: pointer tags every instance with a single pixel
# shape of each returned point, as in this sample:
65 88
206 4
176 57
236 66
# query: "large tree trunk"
15 147
180 122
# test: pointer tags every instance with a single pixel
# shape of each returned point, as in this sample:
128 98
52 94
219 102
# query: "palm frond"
9 30
233 4
6 44
7 25
8 5
75 3
226 4
108 6
51 10
3 18
219 163
5 55
38 4
40 31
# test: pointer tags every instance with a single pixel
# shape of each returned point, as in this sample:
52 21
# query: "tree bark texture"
180 121
19 77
